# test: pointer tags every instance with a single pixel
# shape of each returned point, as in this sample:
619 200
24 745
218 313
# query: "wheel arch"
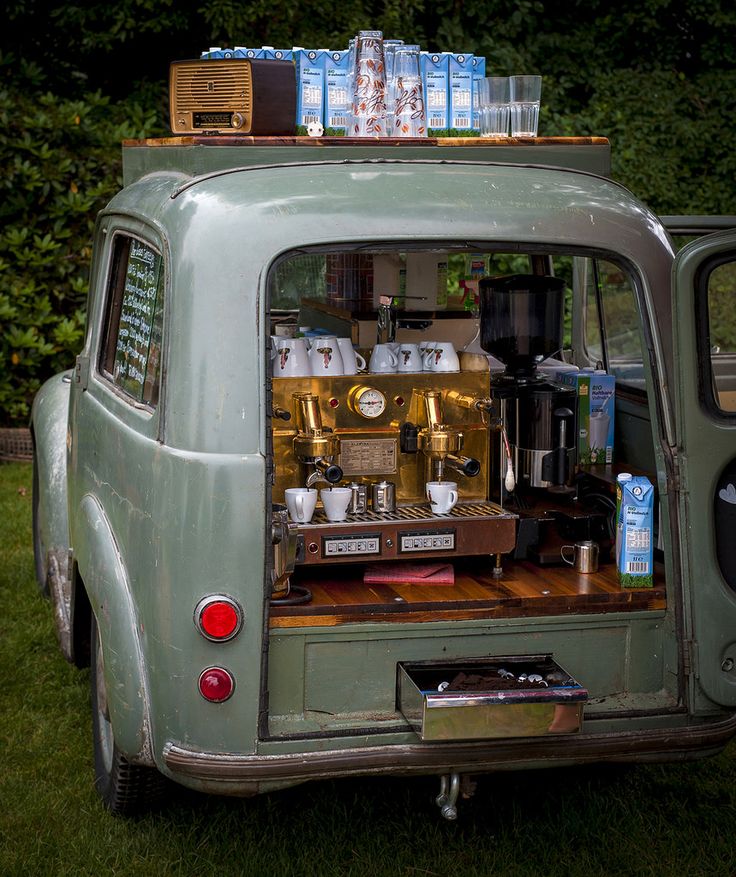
49 420
101 574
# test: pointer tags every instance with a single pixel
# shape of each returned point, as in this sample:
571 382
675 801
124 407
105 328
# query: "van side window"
612 323
130 357
721 340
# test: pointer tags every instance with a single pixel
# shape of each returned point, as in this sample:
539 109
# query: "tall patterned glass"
409 116
369 97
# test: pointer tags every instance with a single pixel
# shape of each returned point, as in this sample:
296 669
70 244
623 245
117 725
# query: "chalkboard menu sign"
138 345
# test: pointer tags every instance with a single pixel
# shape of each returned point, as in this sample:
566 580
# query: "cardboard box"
635 532
272 54
460 79
479 72
434 68
310 85
337 100
595 414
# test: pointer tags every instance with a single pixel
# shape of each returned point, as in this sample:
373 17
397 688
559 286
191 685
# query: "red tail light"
218 618
216 684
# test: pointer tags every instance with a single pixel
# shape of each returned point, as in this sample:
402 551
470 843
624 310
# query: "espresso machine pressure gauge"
367 402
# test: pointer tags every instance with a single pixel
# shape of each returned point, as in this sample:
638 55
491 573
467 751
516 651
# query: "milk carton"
479 72
337 99
635 532
434 67
460 78
310 85
217 52
271 54
596 396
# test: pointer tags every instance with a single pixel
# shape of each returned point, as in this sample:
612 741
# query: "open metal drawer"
475 699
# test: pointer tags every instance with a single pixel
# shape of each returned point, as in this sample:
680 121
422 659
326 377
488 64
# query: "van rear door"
704 326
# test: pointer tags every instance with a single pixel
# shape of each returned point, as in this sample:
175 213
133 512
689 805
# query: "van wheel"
39 555
126 789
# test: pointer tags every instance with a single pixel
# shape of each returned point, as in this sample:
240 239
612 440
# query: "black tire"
39 554
126 789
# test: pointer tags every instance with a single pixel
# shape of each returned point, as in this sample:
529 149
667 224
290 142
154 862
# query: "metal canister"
383 496
359 499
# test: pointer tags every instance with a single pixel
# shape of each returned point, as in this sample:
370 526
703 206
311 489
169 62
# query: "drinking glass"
389 50
494 106
407 95
526 92
369 89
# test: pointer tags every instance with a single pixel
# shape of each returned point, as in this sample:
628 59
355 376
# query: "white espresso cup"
442 496
383 360
425 349
290 357
336 501
301 502
325 357
410 360
351 359
442 358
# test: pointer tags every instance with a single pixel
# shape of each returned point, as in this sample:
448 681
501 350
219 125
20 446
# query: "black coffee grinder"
521 324
521 320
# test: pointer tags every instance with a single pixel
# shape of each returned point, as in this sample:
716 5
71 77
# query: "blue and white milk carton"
271 54
337 100
479 72
434 67
310 85
217 52
635 531
596 399
254 54
460 77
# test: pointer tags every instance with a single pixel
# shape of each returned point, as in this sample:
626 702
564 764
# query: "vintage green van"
306 500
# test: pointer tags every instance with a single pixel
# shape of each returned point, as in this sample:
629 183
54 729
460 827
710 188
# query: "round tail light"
218 618
216 684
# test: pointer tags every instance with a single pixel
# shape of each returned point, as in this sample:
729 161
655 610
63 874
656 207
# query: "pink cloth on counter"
410 574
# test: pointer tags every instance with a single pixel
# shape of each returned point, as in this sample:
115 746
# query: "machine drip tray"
416 513
409 532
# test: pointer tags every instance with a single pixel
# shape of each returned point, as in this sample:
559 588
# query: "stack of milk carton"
449 80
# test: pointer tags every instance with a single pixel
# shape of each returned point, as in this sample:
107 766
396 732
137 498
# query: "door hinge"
690 658
81 371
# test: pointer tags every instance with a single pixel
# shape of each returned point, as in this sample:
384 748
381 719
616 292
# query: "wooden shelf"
339 596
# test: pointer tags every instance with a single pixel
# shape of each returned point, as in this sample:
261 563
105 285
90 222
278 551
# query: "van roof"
197 155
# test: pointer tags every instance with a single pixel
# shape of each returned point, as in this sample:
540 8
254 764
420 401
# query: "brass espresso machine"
399 430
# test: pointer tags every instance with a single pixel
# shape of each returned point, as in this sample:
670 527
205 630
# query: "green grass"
604 820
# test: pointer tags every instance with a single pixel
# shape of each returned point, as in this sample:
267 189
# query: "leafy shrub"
60 161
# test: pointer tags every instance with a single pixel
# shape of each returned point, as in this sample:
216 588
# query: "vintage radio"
232 96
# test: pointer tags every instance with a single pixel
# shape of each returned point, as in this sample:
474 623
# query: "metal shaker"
383 496
359 499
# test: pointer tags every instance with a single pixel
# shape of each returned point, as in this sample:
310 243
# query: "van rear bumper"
466 757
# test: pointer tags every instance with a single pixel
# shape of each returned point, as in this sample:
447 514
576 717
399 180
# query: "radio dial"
237 120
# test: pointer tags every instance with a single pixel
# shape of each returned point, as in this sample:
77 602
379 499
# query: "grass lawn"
661 819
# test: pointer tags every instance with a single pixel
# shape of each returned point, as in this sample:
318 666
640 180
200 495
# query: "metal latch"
81 371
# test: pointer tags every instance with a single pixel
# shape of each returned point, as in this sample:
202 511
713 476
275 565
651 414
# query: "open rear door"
704 315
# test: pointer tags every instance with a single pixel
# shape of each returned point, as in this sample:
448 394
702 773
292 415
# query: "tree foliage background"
658 77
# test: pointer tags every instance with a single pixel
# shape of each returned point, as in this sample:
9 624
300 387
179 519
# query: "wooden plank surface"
339 596
247 140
